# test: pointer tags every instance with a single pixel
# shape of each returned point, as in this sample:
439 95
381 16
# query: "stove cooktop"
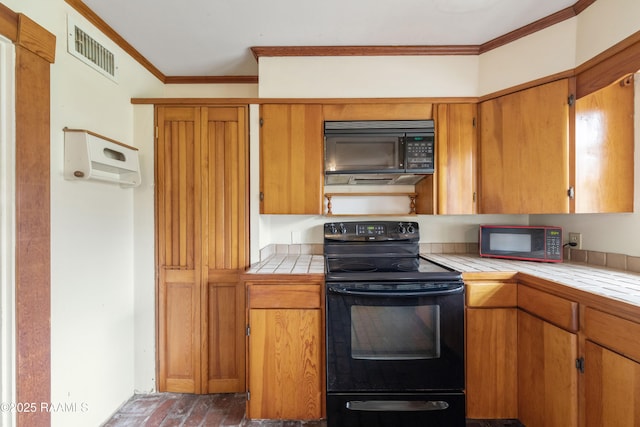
379 251
387 269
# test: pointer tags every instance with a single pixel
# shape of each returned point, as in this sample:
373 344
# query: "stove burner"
409 265
357 267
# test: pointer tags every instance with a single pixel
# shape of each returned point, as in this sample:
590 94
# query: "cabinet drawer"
559 311
284 296
491 294
613 332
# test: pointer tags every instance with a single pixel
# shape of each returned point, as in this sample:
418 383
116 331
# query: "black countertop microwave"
379 147
523 242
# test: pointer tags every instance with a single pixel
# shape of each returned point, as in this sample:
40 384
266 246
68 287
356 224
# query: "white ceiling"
214 37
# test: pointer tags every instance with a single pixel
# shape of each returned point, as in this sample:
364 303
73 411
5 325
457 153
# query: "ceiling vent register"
90 51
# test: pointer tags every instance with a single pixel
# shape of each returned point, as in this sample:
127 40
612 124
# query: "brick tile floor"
214 410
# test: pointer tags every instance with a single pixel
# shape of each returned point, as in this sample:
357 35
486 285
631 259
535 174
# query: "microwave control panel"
419 151
553 243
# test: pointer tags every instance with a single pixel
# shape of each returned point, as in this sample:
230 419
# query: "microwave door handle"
419 293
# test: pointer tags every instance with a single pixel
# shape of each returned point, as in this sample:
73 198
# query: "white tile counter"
289 264
615 284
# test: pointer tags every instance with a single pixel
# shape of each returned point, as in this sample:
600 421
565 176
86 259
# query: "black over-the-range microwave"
379 146
523 242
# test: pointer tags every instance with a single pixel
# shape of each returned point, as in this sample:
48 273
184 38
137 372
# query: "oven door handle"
412 293
397 405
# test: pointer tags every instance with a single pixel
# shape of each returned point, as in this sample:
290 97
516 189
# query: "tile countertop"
606 282
289 264
615 284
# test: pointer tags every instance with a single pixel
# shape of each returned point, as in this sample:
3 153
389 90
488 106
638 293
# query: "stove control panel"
371 231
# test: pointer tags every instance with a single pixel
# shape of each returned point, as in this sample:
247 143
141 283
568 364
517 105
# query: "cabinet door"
524 151
224 176
291 159
612 388
285 364
547 376
604 150
491 363
456 155
201 189
179 249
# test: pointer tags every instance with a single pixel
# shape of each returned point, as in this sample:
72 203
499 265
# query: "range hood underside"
373 179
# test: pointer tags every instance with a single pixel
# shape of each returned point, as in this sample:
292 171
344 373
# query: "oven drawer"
397 410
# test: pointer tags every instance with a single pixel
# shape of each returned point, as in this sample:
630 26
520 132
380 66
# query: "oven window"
395 332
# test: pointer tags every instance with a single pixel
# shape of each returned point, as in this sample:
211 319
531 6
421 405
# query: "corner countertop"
289 264
610 283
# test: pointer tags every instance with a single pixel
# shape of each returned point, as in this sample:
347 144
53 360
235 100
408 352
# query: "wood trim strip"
101 25
97 135
8 23
614 63
211 79
36 39
33 239
270 51
244 101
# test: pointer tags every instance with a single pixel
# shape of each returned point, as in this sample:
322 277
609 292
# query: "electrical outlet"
577 239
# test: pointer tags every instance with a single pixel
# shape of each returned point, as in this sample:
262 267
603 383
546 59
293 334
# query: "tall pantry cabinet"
202 247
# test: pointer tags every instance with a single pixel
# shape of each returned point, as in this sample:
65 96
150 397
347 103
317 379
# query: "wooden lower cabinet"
491 363
491 345
612 388
611 370
285 351
547 376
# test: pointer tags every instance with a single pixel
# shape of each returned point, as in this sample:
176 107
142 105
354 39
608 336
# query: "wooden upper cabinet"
456 155
604 149
524 151
291 159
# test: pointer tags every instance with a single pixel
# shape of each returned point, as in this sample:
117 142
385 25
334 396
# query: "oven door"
390 337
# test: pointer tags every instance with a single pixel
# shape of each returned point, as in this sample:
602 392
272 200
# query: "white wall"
368 76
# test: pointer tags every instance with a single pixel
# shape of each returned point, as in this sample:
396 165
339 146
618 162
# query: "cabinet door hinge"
261 196
157 132
248 395
571 192
248 330
571 100
474 122
261 121
580 364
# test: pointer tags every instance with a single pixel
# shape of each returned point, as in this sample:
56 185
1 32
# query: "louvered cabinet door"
225 236
178 194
